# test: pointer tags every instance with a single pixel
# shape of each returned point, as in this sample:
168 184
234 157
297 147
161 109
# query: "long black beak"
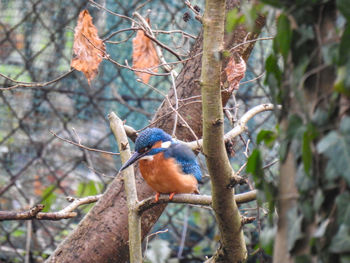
132 159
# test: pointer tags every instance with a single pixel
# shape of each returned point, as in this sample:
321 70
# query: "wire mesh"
36 39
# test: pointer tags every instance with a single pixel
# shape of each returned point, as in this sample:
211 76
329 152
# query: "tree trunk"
228 218
102 235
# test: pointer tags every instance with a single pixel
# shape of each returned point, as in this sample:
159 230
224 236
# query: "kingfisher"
167 166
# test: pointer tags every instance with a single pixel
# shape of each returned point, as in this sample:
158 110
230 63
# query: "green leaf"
295 126
336 146
306 153
284 36
266 136
87 188
343 208
308 136
18 233
344 48
340 82
233 18
303 259
275 3
267 237
294 227
254 164
345 259
271 66
318 200
344 8
49 197
341 241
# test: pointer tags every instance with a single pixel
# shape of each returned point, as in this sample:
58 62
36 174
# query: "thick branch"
21 215
233 247
134 220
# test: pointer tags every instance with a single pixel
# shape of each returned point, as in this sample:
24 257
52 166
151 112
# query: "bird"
167 166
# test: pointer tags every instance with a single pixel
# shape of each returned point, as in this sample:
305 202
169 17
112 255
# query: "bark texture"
188 81
233 248
102 235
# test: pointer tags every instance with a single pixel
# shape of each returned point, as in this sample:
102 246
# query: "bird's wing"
185 158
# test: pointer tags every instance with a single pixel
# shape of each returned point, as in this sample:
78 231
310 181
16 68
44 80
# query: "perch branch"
134 220
35 212
204 200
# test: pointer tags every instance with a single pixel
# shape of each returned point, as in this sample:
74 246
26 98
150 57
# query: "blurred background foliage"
36 39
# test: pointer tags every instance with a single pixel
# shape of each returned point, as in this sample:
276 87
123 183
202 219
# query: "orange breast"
166 176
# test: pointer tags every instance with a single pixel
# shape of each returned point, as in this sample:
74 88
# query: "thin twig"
176 102
250 41
33 84
270 164
183 234
241 124
246 151
35 212
153 234
148 32
111 12
196 13
82 146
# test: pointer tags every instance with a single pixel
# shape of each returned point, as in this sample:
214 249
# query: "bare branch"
203 200
35 212
33 84
13 215
250 41
241 124
134 220
197 16
148 32
111 12
247 220
82 146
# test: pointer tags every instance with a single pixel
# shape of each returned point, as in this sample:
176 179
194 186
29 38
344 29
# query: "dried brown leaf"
144 55
88 47
235 72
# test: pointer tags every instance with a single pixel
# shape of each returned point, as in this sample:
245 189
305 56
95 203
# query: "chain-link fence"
36 39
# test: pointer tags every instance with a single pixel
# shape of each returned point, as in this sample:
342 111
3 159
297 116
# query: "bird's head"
144 143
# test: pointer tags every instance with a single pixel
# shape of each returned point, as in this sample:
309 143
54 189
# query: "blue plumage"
161 171
149 137
185 157
182 154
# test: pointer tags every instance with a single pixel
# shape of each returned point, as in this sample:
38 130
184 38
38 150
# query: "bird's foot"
156 199
171 196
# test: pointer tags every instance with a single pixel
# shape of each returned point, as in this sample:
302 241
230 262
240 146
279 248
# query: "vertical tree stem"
134 220
233 247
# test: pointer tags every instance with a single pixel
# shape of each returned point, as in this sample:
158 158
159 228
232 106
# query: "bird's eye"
145 149
142 150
